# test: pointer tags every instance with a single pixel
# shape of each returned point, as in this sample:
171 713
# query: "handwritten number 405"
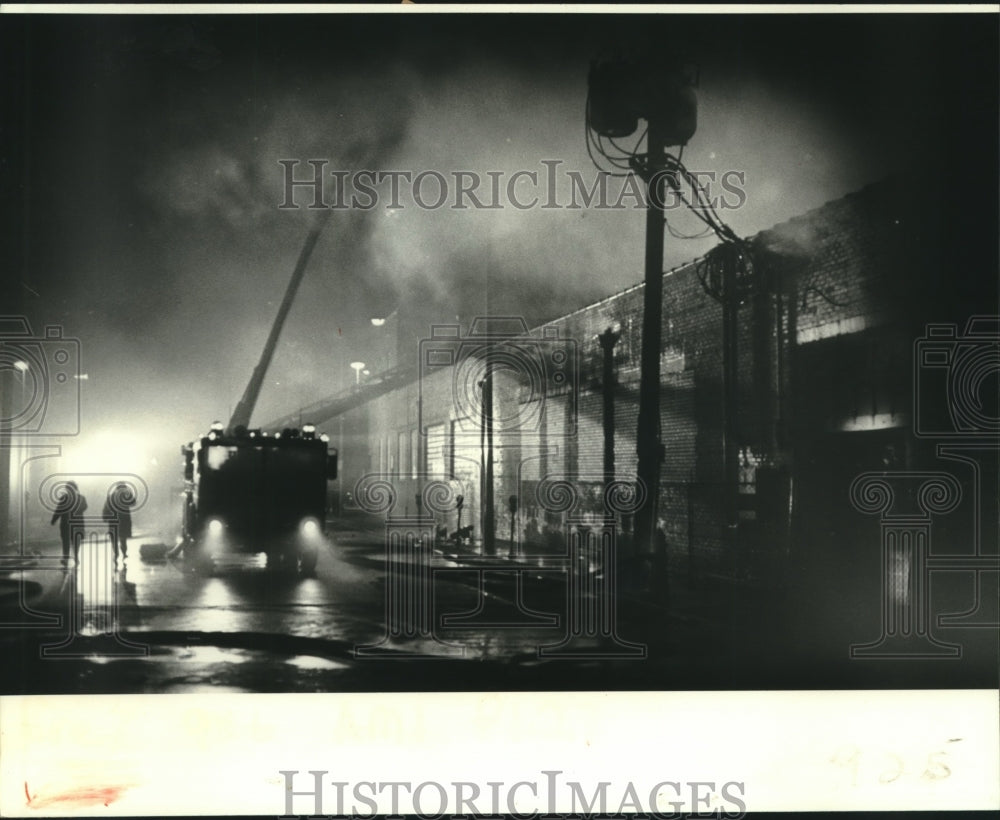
850 757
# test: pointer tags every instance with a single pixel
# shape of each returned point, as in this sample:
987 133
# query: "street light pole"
489 516
22 368
22 483
608 340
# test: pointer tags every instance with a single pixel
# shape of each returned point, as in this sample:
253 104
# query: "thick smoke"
171 255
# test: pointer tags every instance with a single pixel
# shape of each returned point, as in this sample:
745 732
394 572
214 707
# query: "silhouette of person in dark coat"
118 515
70 506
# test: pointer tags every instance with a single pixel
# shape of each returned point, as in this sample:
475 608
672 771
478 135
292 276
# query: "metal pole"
648 446
6 462
489 517
608 340
730 358
790 410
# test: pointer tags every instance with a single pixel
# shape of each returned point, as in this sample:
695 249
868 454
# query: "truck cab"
247 491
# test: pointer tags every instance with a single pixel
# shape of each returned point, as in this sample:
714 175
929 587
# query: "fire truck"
251 491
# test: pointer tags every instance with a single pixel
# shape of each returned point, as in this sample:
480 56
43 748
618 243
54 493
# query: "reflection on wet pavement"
157 626
243 620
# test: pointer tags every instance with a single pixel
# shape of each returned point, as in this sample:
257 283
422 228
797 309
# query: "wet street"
371 621
159 625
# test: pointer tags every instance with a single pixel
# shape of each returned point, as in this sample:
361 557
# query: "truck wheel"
198 559
307 560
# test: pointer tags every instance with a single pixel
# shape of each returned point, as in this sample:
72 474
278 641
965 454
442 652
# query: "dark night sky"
142 178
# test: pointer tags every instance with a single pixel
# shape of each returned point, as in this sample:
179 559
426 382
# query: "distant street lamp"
357 367
381 353
22 368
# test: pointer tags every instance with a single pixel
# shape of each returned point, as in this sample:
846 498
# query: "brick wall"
827 274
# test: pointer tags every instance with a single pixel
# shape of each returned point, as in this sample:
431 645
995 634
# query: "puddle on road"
203 688
315 662
210 654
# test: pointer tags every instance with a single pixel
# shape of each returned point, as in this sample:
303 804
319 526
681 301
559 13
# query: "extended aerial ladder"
245 407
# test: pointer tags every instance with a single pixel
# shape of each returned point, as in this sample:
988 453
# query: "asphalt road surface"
359 623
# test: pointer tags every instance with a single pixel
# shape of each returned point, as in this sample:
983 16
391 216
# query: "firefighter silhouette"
118 515
70 507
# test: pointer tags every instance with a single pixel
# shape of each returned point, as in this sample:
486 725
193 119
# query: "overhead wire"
623 162
618 161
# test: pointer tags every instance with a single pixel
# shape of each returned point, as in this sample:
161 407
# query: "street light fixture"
357 367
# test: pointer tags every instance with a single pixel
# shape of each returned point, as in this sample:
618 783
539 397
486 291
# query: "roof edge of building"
806 216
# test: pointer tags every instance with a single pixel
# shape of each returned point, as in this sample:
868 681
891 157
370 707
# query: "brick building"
828 316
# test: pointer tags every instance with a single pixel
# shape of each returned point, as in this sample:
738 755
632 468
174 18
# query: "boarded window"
435 450
403 447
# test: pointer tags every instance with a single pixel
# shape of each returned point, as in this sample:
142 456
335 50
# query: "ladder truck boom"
245 407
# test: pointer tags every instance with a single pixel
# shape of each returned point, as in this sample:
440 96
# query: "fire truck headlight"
309 528
215 527
216 427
